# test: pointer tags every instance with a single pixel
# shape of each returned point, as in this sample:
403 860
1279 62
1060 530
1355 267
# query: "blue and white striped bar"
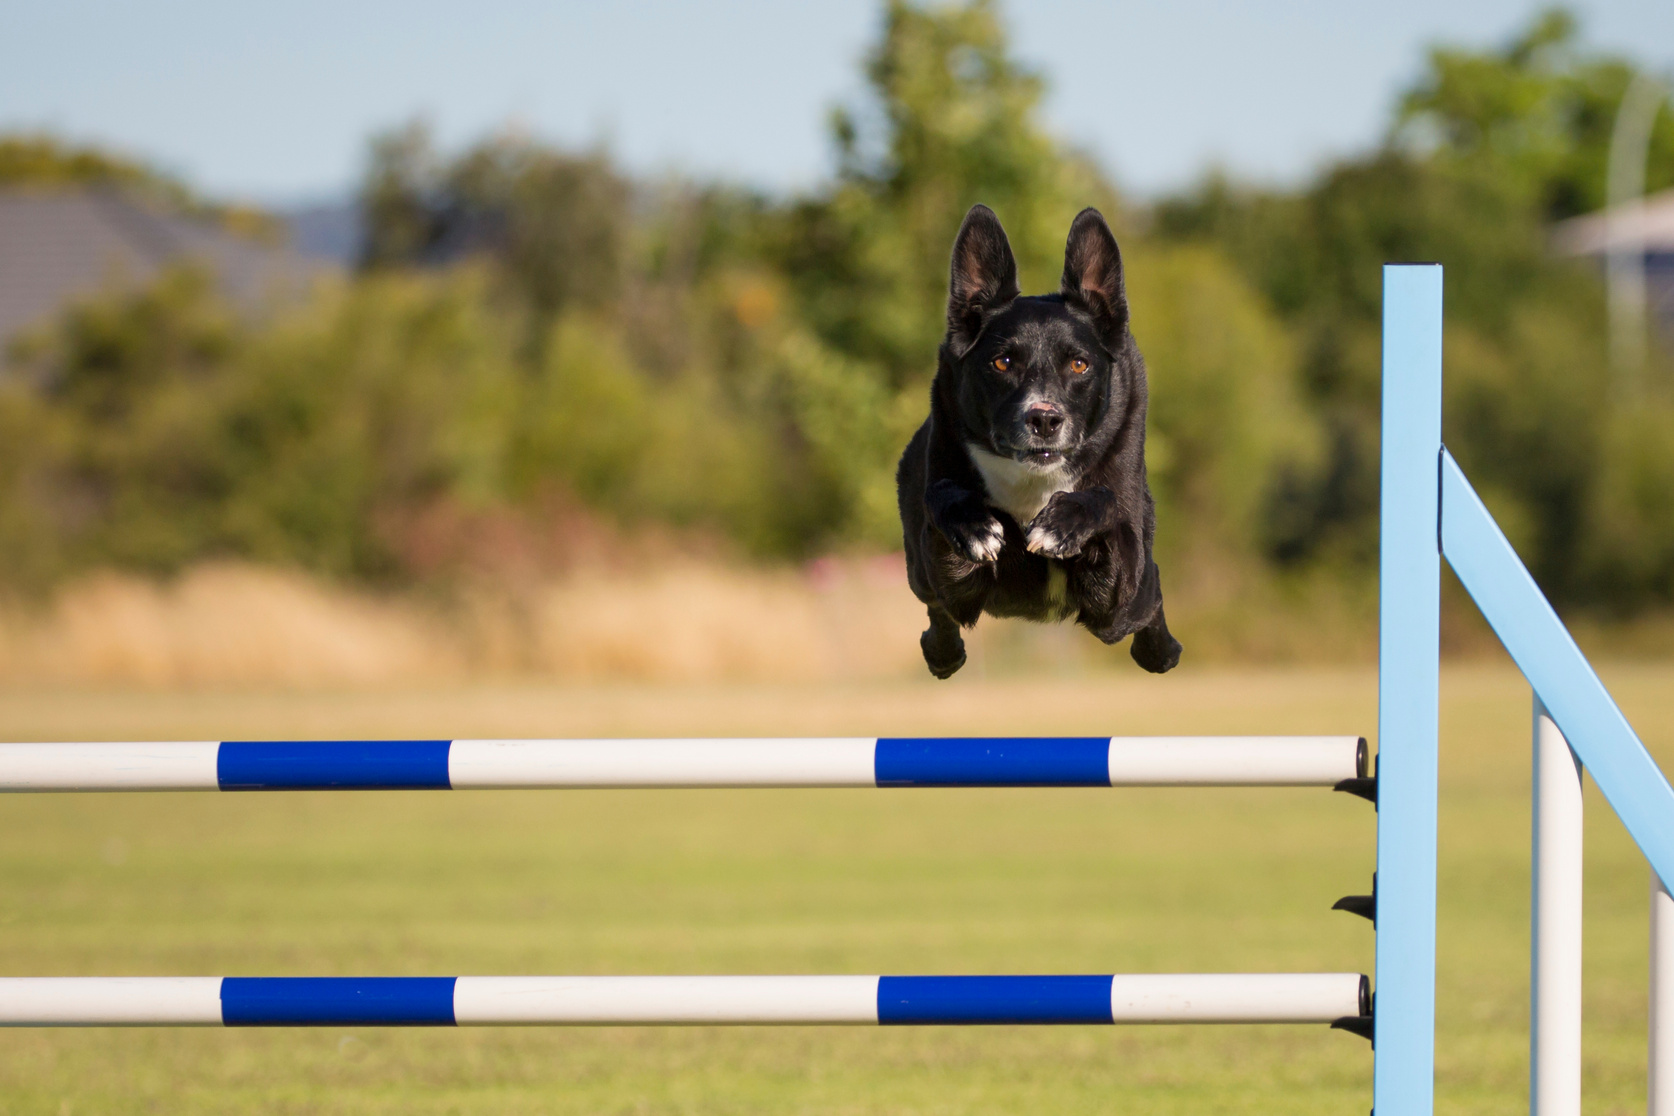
666 1000
893 761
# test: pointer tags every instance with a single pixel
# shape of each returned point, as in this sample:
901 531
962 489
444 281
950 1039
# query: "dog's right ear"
1093 274
984 276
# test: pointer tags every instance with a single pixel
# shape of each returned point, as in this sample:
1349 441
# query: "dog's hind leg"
1154 648
943 646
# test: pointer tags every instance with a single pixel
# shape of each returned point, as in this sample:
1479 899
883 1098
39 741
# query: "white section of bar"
752 762
1185 761
1661 1102
1234 997
666 999
1555 955
153 765
109 1001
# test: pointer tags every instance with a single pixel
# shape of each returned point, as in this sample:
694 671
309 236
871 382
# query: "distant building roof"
1596 233
334 231
59 245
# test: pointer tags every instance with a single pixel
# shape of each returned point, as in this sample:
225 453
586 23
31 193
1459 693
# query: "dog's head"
1034 377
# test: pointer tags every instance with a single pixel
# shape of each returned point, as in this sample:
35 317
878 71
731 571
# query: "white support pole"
1661 1102
1555 969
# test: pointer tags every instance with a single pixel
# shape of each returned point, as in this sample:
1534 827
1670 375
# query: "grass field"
793 881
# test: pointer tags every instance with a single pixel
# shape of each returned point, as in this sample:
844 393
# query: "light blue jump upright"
1428 511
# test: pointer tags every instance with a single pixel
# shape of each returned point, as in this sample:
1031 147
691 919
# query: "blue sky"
274 102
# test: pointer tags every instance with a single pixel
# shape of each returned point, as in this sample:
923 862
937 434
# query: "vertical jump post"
1409 642
1555 925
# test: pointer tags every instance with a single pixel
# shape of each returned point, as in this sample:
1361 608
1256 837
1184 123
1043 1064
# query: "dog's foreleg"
965 521
1070 520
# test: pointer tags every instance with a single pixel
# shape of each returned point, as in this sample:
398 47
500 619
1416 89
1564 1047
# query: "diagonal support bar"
1541 646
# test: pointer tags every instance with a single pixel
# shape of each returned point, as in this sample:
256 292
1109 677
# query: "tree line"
531 327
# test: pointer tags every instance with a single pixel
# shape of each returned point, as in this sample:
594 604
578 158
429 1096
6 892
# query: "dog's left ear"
1093 274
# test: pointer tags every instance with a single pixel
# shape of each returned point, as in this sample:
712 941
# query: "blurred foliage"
554 222
154 429
39 161
1513 137
529 321
952 121
1533 118
43 160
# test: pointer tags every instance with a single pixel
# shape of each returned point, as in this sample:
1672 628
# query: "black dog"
1024 492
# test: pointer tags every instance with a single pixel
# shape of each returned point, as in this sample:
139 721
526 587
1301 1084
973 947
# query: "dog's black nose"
1043 422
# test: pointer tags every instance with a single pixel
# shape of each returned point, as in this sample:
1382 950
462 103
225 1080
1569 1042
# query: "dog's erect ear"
984 276
1093 273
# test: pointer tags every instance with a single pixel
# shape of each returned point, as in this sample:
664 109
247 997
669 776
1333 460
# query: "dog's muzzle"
1040 437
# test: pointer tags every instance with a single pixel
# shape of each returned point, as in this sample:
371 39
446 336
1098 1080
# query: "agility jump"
1428 511
1339 999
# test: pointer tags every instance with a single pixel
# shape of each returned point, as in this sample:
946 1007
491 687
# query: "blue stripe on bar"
994 999
332 764
993 761
323 1001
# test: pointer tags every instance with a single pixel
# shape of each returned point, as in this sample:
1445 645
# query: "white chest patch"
1022 490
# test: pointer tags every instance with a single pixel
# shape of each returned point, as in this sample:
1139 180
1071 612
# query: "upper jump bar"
455 1001
891 761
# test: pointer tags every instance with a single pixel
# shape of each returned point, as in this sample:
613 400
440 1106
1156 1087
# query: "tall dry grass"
689 621
691 618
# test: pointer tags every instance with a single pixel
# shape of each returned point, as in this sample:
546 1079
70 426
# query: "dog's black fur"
1038 403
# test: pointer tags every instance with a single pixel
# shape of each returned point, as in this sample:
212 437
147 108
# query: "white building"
1653 226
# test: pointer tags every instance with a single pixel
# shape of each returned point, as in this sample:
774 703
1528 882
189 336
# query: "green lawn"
792 881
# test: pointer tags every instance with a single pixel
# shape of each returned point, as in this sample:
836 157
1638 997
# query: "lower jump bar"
895 761
899 1000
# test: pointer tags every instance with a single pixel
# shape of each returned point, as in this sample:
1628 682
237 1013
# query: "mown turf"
792 881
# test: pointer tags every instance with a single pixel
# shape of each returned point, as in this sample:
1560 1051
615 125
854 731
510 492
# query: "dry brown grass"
224 624
690 621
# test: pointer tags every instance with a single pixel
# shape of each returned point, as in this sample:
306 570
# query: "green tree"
1534 116
953 120
156 428
1514 137
553 223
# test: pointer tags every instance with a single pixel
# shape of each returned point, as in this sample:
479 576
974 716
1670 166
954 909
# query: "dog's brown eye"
1002 364
1078 366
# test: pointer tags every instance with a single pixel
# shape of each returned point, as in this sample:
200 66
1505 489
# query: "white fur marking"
987 547
1016 488
1043 541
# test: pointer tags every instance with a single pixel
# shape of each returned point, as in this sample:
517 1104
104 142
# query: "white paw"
1044 540
986 541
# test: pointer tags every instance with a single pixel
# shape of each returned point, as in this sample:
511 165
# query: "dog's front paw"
978 539
1066 524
